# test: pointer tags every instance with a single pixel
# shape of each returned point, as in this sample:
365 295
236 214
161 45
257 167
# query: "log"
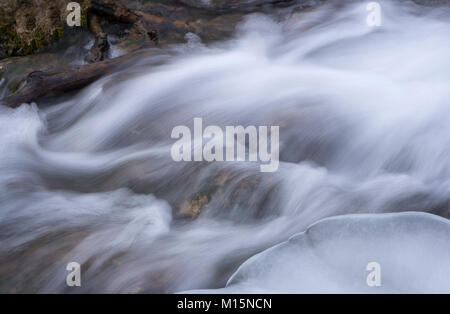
121 13
224 6
41 84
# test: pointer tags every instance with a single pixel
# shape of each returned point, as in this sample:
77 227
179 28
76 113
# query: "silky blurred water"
364 128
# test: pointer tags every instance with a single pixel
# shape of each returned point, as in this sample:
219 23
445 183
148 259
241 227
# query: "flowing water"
364 128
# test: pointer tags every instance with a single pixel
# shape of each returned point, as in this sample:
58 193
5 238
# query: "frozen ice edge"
331 256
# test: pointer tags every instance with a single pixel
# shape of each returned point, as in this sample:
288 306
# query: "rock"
100 48
15 70
29 25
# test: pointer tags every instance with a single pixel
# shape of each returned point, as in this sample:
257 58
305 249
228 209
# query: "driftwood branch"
41 84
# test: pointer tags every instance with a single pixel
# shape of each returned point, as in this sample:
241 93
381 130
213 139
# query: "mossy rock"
29 25
15 70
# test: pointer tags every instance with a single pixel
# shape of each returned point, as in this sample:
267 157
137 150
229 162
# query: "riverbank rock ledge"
29 25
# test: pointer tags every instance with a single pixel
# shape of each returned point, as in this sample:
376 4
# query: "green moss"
14 45
58 32
10 41
85 8
15 42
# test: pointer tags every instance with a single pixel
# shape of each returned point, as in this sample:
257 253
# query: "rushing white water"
363 115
